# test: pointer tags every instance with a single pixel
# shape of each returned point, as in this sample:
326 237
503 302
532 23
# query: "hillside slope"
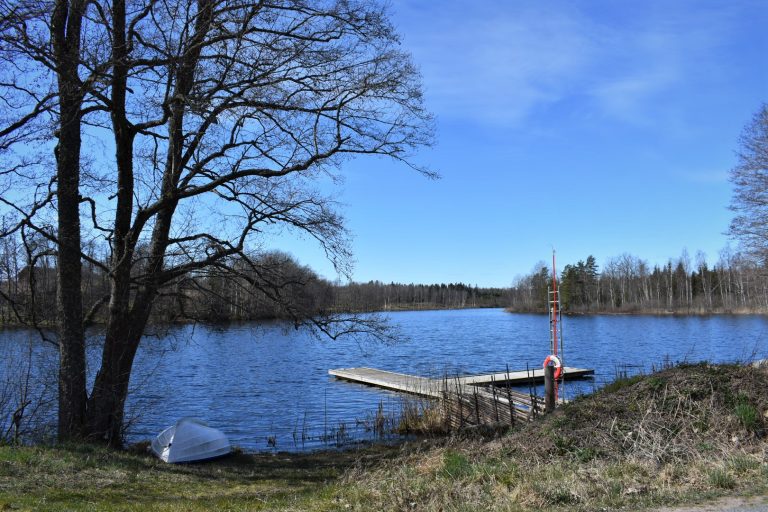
685 433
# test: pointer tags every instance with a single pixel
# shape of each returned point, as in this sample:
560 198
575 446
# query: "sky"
588 127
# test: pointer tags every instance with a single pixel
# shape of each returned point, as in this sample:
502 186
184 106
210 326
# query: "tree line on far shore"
268 286
629 284
274 285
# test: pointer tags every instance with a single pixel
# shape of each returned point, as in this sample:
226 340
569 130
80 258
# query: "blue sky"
594 127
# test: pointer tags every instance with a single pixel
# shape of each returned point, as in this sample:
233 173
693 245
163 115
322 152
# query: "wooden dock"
469 399
434 387
413 384
521 377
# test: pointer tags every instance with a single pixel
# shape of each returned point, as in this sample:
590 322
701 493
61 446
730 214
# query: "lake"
266 385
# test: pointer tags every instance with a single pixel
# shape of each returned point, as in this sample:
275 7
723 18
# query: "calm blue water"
261 380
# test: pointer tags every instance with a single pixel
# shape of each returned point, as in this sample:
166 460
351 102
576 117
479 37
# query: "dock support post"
549 389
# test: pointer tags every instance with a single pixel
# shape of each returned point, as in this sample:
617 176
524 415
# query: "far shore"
650 312
437 307
46 325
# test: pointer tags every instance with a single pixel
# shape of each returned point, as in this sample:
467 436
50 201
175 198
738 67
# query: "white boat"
190 440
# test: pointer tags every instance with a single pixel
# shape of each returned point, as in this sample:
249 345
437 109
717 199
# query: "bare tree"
25 392
750 182
223 114
705 276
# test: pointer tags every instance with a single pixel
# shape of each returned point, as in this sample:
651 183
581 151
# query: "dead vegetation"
684 433
676 415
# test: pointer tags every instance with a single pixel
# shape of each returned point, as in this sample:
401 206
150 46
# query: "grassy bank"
91 478
686 433
680 435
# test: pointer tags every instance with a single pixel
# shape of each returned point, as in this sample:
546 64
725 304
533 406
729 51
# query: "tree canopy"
750 182
177 134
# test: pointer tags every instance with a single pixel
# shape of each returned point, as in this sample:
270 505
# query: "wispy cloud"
499 62
706 177
489 64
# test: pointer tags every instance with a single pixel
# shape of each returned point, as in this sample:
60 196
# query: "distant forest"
628 284
275 286
267 286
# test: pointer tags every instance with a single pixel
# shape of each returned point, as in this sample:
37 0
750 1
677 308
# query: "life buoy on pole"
556 363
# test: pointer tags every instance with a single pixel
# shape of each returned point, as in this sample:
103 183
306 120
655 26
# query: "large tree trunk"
72 394
106 406
65 28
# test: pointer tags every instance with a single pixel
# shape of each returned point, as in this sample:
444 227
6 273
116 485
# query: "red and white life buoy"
556 363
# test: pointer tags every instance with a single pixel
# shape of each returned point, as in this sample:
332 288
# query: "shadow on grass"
75 477
238 467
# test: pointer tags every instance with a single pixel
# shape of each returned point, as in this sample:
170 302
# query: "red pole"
554 305
555 301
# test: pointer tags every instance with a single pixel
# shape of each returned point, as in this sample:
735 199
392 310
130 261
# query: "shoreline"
650 312
50 326
433 307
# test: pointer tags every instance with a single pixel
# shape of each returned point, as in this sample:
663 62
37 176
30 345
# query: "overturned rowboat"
190 440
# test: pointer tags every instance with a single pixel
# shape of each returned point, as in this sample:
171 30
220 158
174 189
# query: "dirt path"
754 504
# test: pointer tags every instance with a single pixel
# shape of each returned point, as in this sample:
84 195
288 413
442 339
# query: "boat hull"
190 440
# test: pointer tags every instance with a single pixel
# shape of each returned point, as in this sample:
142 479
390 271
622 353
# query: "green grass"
743 465
456 465
622 383
722 479
747 415
91 478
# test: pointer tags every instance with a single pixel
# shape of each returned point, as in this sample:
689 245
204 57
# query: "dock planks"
434 387
523 376
413 384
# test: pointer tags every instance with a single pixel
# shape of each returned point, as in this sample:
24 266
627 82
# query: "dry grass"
421 416
685 433
677 415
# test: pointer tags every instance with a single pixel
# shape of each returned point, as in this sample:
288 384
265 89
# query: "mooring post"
549 389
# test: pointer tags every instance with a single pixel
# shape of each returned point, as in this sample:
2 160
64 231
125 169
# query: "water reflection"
267 386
